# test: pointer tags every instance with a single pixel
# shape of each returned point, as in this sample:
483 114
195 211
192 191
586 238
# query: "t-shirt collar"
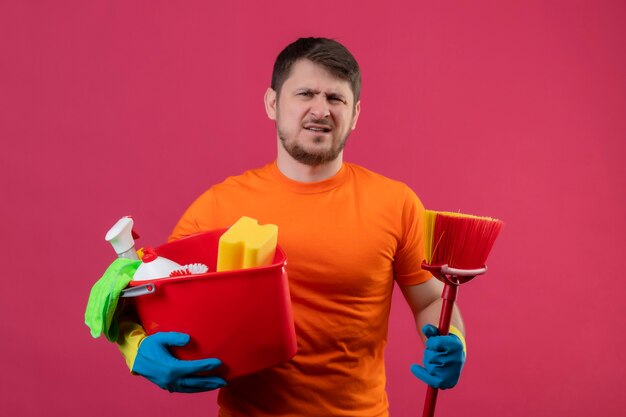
309 187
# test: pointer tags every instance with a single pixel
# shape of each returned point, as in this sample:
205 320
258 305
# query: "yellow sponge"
247 244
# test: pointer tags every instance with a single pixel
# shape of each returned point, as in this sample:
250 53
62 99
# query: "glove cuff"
131 335
457 333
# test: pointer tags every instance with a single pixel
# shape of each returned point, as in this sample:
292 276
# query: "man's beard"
303 156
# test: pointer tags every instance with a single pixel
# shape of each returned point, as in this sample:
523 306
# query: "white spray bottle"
120 236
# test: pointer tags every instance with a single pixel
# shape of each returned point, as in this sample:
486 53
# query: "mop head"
459 240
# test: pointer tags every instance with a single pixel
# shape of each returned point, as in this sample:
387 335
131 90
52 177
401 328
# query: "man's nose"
320 108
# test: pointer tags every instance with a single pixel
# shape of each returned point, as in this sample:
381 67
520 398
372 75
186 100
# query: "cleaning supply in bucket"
243 317
190 269
154 266
247 244
104 296
122 237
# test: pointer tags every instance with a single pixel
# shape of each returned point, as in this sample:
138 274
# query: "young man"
349 234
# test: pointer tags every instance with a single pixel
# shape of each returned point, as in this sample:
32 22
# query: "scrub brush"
189 269
456 248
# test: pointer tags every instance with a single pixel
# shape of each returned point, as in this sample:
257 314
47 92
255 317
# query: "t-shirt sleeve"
410 254
191 221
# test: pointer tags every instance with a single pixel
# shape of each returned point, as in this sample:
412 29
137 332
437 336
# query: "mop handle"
448 296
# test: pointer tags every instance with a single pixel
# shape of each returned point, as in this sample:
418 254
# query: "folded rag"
104 296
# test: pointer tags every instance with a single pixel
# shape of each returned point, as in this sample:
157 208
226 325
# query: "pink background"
508 109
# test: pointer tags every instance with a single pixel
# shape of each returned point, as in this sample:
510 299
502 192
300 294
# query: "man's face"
314 113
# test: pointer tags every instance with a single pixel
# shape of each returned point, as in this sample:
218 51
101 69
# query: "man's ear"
270 103
357 111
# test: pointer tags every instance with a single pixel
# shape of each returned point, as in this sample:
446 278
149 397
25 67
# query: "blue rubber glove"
156 363
443 359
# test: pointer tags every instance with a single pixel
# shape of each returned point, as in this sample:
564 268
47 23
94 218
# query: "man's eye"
336 99
305 94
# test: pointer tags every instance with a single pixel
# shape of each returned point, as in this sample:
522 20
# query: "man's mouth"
319 129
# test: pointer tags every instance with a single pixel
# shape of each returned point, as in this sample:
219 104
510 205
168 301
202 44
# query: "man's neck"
300 172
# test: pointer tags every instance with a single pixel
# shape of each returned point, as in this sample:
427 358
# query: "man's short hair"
326 52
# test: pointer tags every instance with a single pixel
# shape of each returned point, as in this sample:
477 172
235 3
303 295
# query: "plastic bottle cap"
120 235
149 255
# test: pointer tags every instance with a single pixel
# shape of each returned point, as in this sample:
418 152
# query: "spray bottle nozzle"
121 237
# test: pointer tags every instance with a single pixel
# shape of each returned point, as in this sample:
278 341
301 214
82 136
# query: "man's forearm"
430 315
425 302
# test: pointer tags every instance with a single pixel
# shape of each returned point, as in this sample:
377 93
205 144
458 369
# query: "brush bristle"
189 269
460 240
429 226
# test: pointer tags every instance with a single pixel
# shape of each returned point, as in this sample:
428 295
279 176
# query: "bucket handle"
138 291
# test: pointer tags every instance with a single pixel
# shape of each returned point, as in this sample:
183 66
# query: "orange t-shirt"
347 239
